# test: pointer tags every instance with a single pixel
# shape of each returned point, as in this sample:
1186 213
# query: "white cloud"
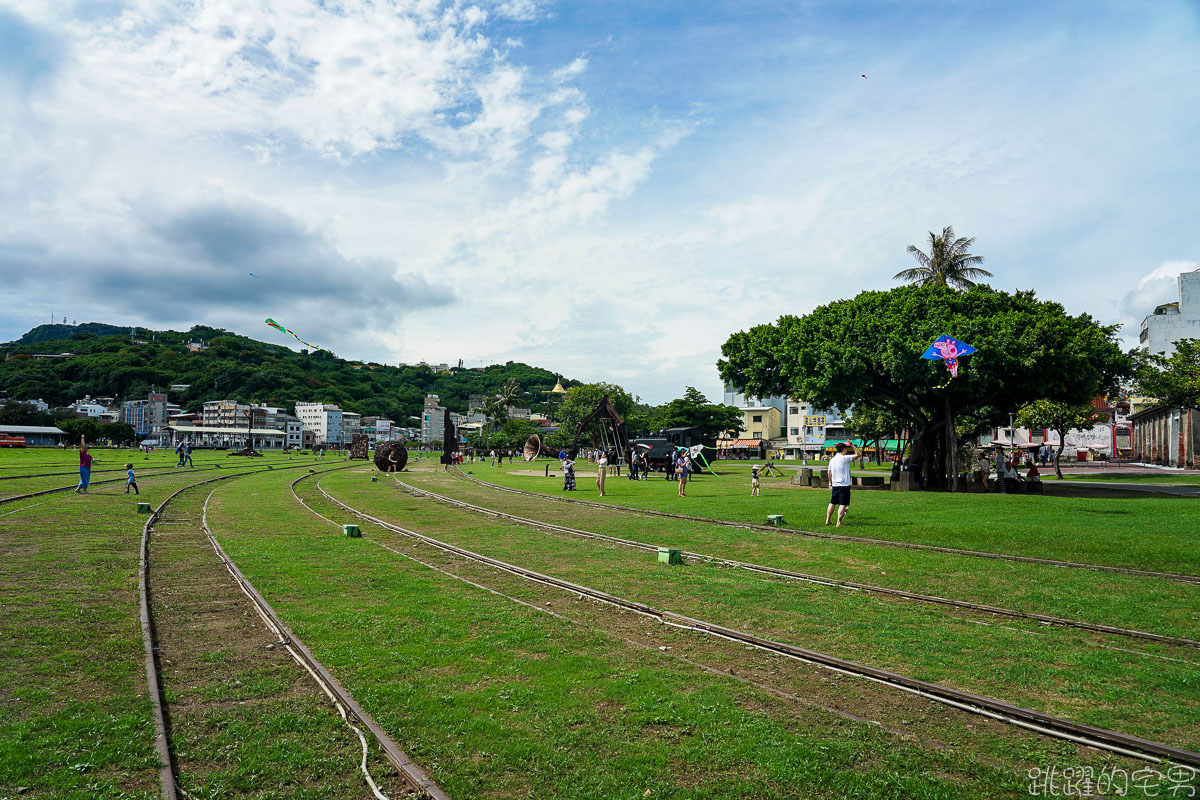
1159 285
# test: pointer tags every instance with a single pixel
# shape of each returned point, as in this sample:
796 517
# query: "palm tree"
497 411
947 264
510 392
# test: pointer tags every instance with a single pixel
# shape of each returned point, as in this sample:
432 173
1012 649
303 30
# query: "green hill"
107 363
56 332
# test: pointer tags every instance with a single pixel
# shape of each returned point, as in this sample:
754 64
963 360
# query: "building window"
756 435
794 410
795 431
757 418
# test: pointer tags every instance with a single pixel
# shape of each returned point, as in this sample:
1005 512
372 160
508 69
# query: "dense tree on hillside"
238 368
868 350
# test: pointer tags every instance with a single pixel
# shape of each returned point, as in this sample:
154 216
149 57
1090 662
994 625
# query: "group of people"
184 451
679 468
1008 478
498 456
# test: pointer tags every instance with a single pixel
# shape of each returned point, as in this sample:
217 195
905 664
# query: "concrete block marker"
374 479
351 530
775 520
669 555
143 508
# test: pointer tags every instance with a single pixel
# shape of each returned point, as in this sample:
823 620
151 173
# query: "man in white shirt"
839 482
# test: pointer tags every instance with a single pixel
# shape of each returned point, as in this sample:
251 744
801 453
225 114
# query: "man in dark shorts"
839 482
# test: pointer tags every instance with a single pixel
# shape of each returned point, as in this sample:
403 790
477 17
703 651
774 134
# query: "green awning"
886 444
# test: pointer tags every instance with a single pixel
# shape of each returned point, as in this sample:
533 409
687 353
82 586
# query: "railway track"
349 710
1174 576
58 489
1029 719
809 578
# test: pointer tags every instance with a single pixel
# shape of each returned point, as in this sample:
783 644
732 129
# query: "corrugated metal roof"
30 429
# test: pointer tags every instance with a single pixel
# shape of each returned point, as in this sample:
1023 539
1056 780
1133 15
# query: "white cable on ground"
341 709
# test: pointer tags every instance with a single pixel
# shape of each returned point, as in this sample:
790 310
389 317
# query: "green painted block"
143 508
352 530
775 519
374 478
669 555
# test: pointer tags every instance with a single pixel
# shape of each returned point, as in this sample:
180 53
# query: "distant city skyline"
604 190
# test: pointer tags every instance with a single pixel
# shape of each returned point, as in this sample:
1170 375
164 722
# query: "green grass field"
499 687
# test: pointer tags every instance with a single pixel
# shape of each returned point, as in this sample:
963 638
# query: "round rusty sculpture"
533 447
391 457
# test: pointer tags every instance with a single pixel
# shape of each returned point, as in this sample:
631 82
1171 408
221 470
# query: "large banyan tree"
867 350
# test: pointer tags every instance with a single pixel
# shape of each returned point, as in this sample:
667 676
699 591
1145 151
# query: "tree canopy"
868 350
694 410
1172 380
1061 417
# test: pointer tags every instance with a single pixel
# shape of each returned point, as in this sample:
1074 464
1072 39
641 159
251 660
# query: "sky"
604 189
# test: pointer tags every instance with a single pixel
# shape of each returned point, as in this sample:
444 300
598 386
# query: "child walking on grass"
754 481
131 481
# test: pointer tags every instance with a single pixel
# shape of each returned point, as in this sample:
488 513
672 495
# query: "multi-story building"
351 424
760 422
324 420
149 417
433 420
293 430
1173 321
380 429
226 414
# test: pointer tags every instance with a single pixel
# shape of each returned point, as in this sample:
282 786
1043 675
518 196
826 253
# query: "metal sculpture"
359 444
610 435
536 448
391 457
449 440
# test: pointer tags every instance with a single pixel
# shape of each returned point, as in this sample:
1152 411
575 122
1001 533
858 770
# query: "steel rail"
903 734
166 767
1029 719
121 469
1174 576
817 579
410 771
106 481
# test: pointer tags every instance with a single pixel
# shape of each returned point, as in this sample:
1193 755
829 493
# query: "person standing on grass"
85 466
568 467
601 473
681 469
187 453
754 481
839 482
130 480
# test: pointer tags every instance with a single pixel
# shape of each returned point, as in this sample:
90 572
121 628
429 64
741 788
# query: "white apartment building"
324 420
1171 322
224 413
808 428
